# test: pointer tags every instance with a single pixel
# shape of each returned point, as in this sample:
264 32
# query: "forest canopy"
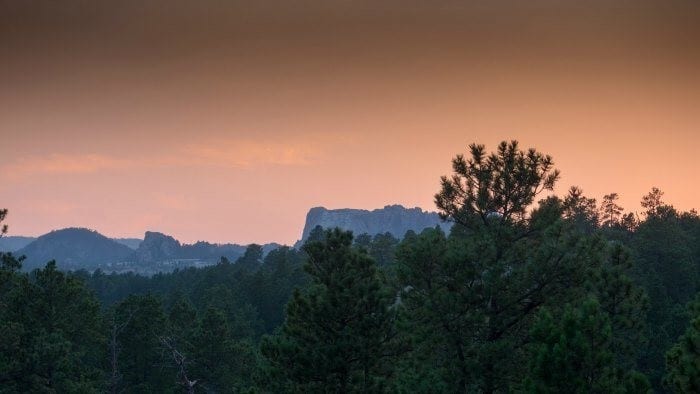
528 292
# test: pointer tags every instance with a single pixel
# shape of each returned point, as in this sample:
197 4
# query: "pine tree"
573 354
252 258
580 210
51 332
182 318
652 201
494 188
383 248
683 360
144 363
625 303
220 363
610 211
665 266
475 292
340 334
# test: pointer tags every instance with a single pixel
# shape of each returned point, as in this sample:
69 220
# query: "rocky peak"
157 247
394 219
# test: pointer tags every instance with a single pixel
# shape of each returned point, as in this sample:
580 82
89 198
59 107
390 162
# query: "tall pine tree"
339 334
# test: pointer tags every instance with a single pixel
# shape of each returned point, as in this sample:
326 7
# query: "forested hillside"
528 292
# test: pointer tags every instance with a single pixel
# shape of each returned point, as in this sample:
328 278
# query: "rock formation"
394 219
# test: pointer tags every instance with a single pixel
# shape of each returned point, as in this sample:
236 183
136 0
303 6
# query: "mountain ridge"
81 248
73 247
13 243
77 248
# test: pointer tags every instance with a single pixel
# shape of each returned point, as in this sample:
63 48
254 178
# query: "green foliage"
609 210
221 363
251 259
383 249
475 298
555 296
183 317
581 211
140 350
652 202
339 334
666 266
625 304
477 290
571 353
503 183
574 353
51 328
3 228
683 360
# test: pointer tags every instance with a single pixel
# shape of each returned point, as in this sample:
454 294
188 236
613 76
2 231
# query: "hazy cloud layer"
241 154
226 120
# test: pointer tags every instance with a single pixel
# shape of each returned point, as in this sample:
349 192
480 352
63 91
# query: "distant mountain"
14 243
76 248
80 248
158 247
73 248
132 243
394 219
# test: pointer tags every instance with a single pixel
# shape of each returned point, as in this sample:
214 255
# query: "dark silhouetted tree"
143 365
252 258
652 201
609 210
340 334
581 210
683 360
475 292
572 354
501 185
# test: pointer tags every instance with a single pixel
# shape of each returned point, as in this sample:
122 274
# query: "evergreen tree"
652 201
218 362
609 210
284 271
144 362
316 234
363 240
340 334
182 318
625 304
580 210
573 354
666 267
683 360
383 248
252 258
3 228
495 188
477 290
51 332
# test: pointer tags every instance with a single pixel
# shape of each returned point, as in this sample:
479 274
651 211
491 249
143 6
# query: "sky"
226 121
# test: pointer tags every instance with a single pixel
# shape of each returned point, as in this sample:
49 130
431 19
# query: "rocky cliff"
157 247
394 219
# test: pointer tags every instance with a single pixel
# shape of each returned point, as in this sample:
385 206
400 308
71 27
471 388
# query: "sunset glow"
226 123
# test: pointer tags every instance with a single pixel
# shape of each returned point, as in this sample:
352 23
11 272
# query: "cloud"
56 164
250 153
226 153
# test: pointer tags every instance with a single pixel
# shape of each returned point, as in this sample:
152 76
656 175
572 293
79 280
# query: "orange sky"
226 121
